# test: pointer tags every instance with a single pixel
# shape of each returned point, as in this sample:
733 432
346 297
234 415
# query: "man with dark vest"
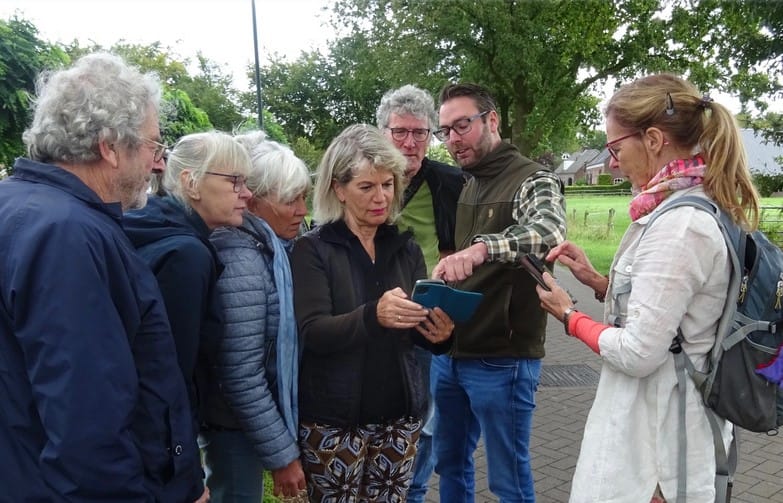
407 117
486 384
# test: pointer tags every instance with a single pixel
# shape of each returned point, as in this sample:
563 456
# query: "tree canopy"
22 56
206 99
545 62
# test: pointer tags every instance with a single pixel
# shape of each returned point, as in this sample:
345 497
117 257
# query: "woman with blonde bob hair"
361 394
670 141
357 147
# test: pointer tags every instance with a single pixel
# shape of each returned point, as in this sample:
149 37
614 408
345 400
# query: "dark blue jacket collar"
57 177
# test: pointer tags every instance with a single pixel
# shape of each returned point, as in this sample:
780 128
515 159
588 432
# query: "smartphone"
536 268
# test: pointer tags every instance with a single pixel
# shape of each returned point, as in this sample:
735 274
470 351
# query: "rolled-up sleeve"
539 213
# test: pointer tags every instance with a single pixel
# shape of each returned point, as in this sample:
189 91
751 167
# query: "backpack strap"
725 463
682 439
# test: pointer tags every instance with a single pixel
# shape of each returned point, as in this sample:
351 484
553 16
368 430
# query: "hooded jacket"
174 241
93 407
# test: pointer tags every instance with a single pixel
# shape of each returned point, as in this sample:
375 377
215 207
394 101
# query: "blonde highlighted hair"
357 147
692 120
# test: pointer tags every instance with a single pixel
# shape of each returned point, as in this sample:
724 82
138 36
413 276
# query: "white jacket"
676 276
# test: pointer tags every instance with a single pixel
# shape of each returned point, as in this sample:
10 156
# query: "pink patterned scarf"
677 175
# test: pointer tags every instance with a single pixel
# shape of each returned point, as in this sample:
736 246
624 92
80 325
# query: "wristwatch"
566 317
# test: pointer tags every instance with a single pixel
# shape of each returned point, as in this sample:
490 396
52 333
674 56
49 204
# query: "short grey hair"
407 100
201 152
274 168
357 147
99 98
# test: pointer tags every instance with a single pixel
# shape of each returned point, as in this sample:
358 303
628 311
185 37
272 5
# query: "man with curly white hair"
94 406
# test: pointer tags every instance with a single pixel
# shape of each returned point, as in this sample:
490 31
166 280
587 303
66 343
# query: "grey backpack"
749 333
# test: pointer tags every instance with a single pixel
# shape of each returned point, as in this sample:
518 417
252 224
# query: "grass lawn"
590 225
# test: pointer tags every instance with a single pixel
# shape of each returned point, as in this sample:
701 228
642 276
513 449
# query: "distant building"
586 165
573 168
763 158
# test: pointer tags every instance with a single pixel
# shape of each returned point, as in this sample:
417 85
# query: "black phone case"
535 267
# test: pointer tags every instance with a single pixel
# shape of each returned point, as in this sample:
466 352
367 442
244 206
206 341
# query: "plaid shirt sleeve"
540 216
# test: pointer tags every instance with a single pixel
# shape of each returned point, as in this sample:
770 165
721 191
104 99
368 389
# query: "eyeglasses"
400 133
160 149
461 127
238 180
610 148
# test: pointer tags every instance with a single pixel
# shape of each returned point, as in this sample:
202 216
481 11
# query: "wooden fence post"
610 222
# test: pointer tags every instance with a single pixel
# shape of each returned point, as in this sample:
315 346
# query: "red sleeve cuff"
586 330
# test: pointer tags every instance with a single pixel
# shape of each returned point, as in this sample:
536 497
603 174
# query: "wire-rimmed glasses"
610 145
160 149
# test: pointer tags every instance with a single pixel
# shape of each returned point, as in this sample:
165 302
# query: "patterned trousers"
367 463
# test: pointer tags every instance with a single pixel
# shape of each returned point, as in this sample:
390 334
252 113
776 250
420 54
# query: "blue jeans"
424 463
493 396
234 471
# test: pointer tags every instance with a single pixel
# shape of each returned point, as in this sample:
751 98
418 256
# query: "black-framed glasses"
461 126
160 149
610 145
239 181
400 133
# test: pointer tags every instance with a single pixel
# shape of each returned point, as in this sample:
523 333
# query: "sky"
221 29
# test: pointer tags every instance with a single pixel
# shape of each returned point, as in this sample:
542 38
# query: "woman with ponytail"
669 140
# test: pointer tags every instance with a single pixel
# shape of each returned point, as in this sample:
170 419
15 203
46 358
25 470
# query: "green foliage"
309 153
543 78
547 81
150 58
771 219
179 117
438 152
589 224
593 138
309 98
212 91
747 48
596 223
767 184
22 56
604 179
272 129
209 92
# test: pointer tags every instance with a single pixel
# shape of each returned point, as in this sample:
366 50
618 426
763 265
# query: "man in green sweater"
407 117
